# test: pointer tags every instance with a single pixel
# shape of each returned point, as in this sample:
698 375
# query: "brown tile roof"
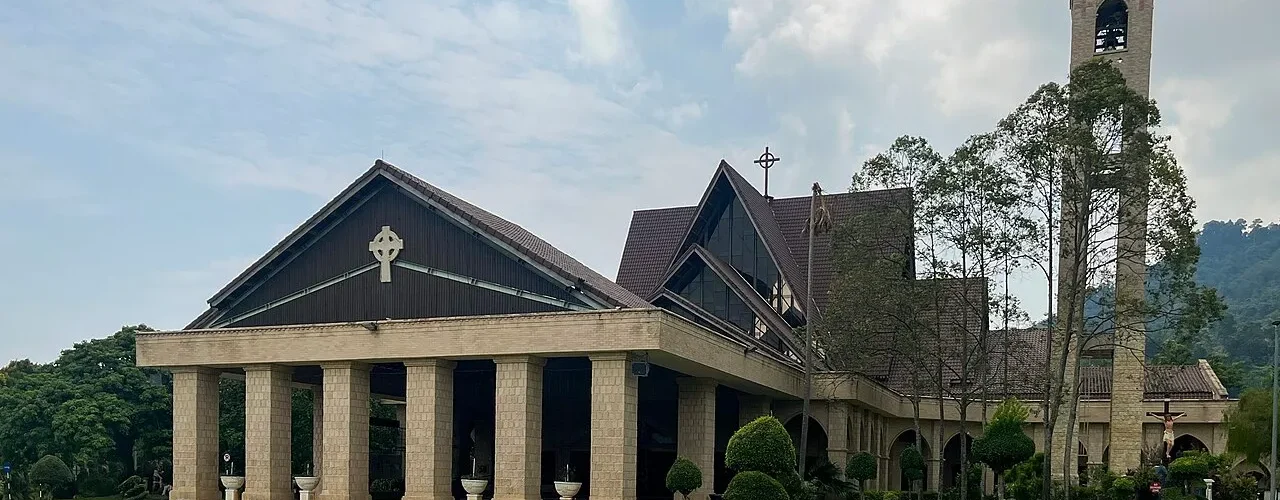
1025 364
651 246
533 247
655 235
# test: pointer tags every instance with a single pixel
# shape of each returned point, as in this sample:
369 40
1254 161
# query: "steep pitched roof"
525 244
762 219
762 215
529 244
1027 349
656 234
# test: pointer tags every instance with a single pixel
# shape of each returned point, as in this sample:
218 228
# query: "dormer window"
1112 27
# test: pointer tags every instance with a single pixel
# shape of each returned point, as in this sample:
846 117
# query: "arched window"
1112 28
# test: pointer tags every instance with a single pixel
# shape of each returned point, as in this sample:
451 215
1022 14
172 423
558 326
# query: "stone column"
195 434
615 427
696 429
933 460
268 426
838 433
317 432
882 450
518 432
346 432
428 433
751 407
855 424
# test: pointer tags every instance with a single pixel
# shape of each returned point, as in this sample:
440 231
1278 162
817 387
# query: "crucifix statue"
385 247
1167 417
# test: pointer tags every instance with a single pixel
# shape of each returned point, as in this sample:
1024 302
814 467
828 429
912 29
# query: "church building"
512 360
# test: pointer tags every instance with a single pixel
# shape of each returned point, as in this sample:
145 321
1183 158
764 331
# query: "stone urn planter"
474 487
306 485
232 485
567 489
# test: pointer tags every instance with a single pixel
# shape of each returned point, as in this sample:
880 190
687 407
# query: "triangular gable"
727 181
697 257
563 281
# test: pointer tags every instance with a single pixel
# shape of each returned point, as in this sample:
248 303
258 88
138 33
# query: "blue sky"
150 150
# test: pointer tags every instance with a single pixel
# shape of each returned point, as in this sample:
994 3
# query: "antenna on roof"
766 161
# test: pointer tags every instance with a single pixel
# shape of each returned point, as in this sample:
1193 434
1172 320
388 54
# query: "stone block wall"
428 429
267 432
614 427
518 428
345 475
195 424
696 432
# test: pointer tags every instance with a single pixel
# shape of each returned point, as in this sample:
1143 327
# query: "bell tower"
1119 30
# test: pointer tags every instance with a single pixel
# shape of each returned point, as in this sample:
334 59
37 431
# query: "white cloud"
600 37
1198 108
830 32
681 114
844 131
964 81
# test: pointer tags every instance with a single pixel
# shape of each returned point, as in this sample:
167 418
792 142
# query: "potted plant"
230 481
306 483
475 482
567 487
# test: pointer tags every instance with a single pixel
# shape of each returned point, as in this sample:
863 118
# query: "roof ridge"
1213 377
765 221
532 246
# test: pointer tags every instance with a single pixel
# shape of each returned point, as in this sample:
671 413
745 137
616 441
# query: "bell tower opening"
1112 27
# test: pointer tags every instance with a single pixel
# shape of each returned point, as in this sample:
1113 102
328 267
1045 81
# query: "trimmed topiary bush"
762 445
861 467
795 488
912 463
684 476
754 485
48 473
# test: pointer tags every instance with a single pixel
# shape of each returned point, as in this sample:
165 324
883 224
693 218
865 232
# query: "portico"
519 347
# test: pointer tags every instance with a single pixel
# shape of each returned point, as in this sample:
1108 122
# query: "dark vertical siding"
429 240
409 295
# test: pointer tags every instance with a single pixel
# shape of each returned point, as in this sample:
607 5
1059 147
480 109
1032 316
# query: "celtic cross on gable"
385 247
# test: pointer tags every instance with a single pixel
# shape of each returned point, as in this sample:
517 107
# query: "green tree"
92 407
912 464
1003 444
684 476
1092 166
861 468
1023 481
1249 425
879 310
762 445
1191 467
48 473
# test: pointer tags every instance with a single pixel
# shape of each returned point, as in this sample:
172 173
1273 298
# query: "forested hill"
1242 261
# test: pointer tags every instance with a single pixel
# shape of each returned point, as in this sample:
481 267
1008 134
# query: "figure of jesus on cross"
1168 417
